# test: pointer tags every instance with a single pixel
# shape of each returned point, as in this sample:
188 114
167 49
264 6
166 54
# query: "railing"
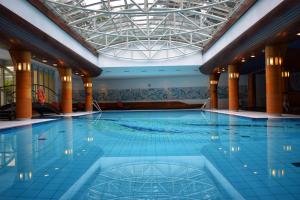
7 97
7 94
95 103
204 104
50 94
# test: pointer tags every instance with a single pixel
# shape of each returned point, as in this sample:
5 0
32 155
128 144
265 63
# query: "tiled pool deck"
17 123
254 114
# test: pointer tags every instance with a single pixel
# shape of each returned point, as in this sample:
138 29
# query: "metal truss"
145 29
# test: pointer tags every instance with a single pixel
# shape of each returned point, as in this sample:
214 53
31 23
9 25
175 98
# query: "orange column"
213 88
233 87
88 87
66 89
22 64
274 60
251 91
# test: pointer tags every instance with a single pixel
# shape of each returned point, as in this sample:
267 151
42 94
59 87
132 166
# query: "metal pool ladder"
204 104
95 103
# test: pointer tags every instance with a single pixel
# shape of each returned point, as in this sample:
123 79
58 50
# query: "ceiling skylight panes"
145 29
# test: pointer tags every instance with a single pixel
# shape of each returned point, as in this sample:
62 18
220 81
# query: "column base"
274 115
23 119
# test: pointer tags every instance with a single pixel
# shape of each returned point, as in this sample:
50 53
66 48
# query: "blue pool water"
152 155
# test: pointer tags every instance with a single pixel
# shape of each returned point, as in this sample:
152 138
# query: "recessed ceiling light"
76 73
298 34
252 56
82 75
55 65
44 61
243 60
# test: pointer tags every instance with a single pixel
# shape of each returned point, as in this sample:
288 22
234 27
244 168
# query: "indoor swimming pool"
152 155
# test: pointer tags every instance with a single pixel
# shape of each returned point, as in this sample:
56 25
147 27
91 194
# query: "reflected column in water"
274 144
214 135
24 153
233 136
89 134
68 136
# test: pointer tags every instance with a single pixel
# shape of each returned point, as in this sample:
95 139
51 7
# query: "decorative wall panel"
157 94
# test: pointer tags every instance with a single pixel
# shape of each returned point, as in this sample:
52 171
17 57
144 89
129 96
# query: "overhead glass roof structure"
145 29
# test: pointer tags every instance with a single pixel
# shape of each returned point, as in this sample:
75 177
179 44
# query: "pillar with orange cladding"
66 89
22 64
285 74
233 87
274 60
251 91
88 87
213 88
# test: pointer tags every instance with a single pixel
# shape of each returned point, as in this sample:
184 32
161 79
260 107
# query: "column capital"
87 82
233 71
213 79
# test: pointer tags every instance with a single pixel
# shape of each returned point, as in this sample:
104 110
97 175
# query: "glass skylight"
145 29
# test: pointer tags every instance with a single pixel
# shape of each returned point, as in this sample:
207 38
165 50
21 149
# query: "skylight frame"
176 24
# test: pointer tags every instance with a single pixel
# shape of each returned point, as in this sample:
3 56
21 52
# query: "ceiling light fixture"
44 61
243 60
252 56
298 34
55 65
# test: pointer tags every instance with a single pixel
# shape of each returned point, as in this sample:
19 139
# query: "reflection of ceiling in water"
152 179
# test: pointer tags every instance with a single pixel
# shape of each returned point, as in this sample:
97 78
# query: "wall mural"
156 94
